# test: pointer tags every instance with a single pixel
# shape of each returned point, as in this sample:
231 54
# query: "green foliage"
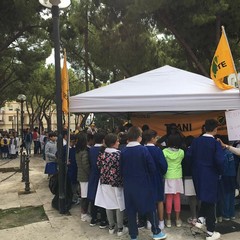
108 40
22 45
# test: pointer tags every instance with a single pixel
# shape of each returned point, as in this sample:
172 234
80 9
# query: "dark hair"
72 137
174 140
90 137
99 136
81 141
121 128
147 135
211 124
52 134
128 126
122 138
110 139
65 132
134 133
172 127
145 127
188 140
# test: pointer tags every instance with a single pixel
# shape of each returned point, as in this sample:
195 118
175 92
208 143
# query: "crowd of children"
126 177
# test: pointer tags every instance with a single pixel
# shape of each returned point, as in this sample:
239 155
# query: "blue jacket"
161 169
136 167
207 157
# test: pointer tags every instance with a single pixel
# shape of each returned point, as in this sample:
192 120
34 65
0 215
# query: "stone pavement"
59 226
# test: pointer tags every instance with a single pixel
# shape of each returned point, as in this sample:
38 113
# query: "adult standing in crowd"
36 140
28 141
207 157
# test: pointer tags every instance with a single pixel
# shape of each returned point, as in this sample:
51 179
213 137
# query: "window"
10 118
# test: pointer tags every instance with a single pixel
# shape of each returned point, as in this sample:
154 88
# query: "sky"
51 60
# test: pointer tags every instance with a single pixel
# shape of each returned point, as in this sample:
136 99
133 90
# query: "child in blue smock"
137 166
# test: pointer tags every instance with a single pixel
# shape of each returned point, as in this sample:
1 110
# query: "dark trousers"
84 205
95 210
132 223
37 147
207 210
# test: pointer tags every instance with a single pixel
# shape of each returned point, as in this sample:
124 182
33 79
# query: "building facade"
10 118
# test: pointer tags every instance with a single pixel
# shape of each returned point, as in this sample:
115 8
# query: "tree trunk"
182 42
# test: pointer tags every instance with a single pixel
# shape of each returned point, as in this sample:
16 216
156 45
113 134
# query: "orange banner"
189 123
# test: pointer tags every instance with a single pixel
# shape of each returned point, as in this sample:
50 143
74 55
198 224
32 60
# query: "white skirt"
173 186
84 189
189 189
109 197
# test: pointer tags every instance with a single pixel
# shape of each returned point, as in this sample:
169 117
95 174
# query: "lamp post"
21 98
17 109
55 5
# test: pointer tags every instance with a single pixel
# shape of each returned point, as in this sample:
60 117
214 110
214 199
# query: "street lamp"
55 5
21 98
17 109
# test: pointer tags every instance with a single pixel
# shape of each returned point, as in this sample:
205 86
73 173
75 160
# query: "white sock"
201 219
161 225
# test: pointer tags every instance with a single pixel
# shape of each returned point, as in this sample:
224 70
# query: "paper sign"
233 124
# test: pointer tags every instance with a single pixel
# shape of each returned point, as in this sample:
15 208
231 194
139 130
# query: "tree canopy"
108 40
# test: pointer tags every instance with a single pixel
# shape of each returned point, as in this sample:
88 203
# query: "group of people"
34 138
9 145
127 177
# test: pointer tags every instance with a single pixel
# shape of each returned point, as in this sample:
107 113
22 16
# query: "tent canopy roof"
163 89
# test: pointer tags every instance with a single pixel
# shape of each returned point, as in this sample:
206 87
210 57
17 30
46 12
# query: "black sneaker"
94 222
103 224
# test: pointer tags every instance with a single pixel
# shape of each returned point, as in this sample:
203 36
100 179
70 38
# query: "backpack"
53 184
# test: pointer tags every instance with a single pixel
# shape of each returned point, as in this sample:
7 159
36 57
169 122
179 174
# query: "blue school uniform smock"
136 166
161 169
94 172
207 158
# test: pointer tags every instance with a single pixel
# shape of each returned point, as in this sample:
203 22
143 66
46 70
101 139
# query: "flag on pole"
222 63
65 86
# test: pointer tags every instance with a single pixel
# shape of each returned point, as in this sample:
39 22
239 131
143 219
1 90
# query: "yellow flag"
222 63
65 86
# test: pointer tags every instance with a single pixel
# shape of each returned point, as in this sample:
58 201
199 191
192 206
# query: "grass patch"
15 217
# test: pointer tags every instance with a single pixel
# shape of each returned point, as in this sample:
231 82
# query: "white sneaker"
85 218
111 230
122 231
149 225
216 235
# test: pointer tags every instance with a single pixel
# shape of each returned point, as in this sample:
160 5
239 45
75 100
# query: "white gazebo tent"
160 90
